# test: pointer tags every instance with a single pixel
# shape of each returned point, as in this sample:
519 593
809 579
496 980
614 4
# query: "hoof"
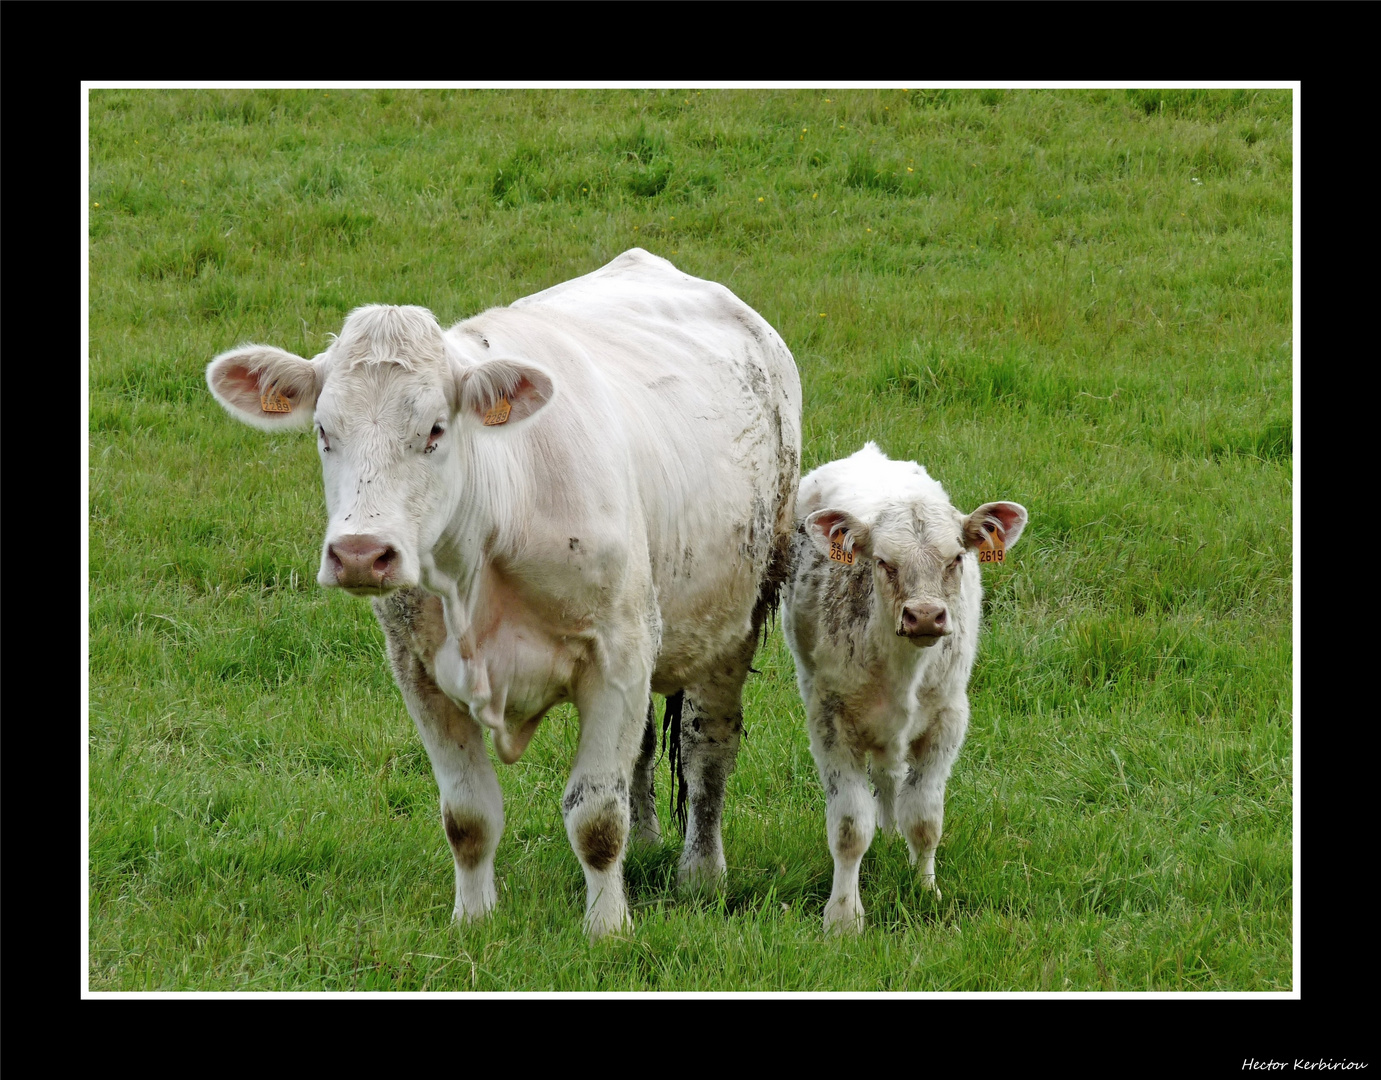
843 917
601 927
647 833
701 881
460 916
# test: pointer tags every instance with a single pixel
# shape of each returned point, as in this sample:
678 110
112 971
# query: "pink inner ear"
524 399
241 380
989 518
238 384
1007 514
829 524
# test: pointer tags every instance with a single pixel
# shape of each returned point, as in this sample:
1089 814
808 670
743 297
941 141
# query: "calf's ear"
502 391
265 387
1007 519
841 531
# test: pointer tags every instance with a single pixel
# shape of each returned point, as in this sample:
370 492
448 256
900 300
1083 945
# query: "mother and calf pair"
591 495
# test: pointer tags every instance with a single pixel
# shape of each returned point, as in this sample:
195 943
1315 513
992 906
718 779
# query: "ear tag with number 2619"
838 554
992 550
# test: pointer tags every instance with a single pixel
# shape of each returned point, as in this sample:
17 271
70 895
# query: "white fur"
869 692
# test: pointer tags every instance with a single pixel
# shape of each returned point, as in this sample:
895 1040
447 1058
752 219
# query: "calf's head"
396 408
917 549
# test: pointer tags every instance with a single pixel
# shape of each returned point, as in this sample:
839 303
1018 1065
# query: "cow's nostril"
361 561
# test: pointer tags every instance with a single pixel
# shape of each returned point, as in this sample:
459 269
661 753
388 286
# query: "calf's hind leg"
471 801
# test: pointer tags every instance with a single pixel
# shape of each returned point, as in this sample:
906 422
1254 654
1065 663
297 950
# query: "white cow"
881 613
585 496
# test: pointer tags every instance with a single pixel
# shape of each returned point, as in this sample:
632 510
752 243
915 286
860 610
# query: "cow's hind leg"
711 730
471 801
642 798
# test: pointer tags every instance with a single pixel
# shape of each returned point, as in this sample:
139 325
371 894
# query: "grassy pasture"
1079 300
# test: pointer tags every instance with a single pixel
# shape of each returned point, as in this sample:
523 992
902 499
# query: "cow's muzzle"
360 562
924 624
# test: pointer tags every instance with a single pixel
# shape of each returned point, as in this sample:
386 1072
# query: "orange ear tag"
498 413
839 555
992 549
272 401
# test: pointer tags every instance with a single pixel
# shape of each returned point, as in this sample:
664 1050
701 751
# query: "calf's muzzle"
924 624
361 562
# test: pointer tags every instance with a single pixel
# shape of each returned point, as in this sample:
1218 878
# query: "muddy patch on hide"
412 618
848 840
846 600
749 323
827 720
600 838
466 836
924 835
708 809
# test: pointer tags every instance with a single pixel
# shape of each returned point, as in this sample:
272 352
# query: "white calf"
881 612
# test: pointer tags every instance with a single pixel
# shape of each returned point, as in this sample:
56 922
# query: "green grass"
1078 300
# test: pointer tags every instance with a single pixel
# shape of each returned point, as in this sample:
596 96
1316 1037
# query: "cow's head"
396 408
917 550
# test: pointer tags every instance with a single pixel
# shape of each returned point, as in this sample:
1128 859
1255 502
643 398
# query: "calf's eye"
321 434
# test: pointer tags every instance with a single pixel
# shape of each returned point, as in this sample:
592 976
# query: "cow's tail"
671 746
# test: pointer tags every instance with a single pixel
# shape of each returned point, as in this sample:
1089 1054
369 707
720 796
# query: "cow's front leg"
596 805
471 801
849 815
921 797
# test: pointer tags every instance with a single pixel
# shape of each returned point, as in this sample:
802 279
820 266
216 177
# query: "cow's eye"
957 561
436 433
887 568
321 434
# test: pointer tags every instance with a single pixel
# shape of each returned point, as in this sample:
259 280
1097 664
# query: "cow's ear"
265 387
502 391
1006 518
839 535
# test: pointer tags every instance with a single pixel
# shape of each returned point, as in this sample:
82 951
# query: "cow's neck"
479 517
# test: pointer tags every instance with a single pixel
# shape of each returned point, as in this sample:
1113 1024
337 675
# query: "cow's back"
673 388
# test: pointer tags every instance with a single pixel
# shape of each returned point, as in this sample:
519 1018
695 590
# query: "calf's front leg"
921 796
850 816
